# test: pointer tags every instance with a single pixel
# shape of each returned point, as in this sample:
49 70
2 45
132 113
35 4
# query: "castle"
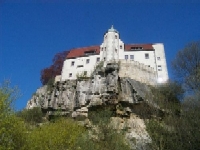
143 62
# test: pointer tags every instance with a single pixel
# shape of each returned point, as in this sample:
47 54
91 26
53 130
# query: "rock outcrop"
104 88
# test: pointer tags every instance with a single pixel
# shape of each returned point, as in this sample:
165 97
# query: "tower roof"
112 29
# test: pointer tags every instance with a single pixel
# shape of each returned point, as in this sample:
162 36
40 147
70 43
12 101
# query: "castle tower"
110 45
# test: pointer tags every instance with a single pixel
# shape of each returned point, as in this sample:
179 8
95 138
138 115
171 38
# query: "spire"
112 29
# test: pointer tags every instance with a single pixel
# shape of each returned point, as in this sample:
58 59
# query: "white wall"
139 56
160 53
76 68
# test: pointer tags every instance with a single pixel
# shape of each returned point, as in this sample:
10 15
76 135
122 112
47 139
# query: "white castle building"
139 61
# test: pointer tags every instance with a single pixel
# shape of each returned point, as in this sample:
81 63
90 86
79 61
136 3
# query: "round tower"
111 43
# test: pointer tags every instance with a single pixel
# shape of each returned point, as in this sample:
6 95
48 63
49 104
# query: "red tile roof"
79 52
143 46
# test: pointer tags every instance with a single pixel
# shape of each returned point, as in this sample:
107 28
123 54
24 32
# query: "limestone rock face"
75 98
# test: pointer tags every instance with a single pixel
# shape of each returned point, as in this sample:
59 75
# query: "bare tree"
186 66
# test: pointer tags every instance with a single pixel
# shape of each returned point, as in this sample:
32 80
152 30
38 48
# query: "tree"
31 116
60 135
186 66
12 128
55 69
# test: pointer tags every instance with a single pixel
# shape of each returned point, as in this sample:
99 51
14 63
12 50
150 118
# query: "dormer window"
136 48
90 52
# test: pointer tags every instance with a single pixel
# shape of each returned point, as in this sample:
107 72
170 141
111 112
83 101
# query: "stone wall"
137 71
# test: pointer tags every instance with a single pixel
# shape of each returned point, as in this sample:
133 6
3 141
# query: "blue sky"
32 32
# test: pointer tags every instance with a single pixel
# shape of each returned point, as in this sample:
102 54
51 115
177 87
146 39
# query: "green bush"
12 129
107 138
60 135
32 116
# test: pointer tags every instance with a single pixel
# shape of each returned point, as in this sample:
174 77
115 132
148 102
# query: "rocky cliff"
104 88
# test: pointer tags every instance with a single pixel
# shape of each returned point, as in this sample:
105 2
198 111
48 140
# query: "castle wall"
137 71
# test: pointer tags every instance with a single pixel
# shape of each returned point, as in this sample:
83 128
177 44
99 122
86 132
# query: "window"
146 56
120 46
98 59
149 66
104 58
79 66
132 57
72 63
87 61
115 36
90 52
70 75
116 50
158 58
159 68
136 48
102 49
126 56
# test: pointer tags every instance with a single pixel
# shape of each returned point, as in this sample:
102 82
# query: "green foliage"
167 96
82 76
12 129
7 97
175 130
31 116
12 133
100 116
100 65
163 138
50 84
107 138
60 135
